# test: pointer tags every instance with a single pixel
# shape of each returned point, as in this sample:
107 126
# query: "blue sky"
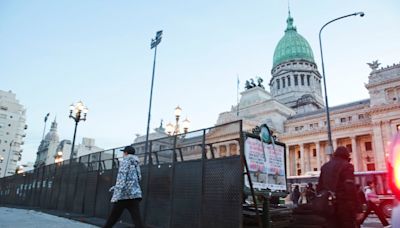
53 53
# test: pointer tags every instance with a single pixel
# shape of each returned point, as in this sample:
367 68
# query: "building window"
283 83
298 154
360 116
342 120
298 172
296 128
368 146
302 79
308 80
278 85
371 167
315 169
296 80
349 148
314 152
222 151
311 126
288 80
349 118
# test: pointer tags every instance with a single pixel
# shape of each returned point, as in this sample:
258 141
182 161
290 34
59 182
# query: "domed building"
295 80
294 111
47 147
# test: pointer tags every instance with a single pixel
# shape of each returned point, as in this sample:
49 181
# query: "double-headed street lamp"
328 121
154 43
172 129
77 112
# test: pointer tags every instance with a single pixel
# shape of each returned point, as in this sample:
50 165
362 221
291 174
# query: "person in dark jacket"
310 192
295 195
127 193
337 176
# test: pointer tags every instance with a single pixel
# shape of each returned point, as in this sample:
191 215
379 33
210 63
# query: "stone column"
317 148
302 159
334 144
288 163
355 153
378 147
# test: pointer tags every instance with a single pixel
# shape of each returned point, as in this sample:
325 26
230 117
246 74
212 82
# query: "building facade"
295 112
12 132
52 150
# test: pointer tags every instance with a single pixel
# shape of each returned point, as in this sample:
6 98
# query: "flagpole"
237 95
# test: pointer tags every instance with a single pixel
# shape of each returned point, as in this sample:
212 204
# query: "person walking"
337 175
295 195
372 199
127 193
310 192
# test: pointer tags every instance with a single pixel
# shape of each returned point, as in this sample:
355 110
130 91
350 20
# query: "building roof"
331 109
292 46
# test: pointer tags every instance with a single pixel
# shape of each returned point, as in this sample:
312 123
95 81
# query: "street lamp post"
175 129
45 121
154 43
328 121
77 112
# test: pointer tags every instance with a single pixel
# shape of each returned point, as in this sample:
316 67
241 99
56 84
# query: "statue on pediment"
374 65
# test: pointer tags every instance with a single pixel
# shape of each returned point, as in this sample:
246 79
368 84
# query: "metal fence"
190 180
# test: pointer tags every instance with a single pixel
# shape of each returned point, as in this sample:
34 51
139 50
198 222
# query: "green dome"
292 46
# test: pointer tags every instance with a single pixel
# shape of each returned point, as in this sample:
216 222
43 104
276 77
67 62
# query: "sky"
54 53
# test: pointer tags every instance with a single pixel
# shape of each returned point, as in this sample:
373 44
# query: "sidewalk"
12 217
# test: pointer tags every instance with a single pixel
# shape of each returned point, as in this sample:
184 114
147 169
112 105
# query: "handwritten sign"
266 164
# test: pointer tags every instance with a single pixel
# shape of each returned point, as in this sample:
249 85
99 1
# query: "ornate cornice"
383 108
380 82
321 130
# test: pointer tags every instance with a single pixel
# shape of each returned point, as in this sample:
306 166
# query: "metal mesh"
194 180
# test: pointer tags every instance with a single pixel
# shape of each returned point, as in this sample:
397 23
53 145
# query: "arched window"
283 83
288 80
278 85
296 80
308 80
302 79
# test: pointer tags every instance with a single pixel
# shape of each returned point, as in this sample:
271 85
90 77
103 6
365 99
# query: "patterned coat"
127 185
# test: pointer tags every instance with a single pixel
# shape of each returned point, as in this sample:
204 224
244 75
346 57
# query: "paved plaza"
12 217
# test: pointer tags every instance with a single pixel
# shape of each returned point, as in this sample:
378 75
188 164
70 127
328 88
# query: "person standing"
372 199
127 193
295 195
337 175
310 192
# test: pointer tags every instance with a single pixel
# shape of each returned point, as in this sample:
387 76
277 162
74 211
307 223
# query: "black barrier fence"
190 180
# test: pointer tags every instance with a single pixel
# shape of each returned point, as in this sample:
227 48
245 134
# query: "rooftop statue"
374 65
259 82
251 84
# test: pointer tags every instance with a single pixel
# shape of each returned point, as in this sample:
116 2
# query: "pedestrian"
126 192
337 176
295 195
310 192
372 199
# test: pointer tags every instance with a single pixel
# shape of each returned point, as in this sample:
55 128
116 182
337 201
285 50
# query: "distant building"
86 147
47 149
12 132
51 150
